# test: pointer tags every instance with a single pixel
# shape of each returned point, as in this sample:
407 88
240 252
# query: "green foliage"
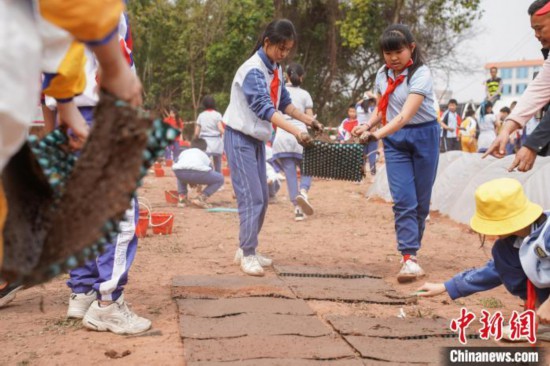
185 49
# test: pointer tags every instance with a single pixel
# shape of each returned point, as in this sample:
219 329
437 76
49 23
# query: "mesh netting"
333 161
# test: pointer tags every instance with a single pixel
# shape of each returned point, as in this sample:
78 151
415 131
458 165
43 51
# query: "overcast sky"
503 34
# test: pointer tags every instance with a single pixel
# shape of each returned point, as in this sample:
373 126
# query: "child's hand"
304 139
358 130
317 127
122 83
367 137
429 289
70 116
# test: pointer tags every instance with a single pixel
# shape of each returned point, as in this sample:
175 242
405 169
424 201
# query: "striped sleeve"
70 78
93 22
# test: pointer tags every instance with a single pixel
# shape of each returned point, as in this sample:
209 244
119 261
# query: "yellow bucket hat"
502 208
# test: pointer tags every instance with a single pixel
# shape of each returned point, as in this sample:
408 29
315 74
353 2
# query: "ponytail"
295 73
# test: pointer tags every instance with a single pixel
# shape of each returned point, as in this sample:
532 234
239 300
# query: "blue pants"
217 159
172 151
412 155
246 159
369 149
212 179
289 166
108 274
509 269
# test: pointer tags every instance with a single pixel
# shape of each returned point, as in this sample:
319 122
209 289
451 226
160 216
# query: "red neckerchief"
392 85
274 89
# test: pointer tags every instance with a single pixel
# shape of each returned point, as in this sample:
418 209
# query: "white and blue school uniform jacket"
534 254
473 280
250 107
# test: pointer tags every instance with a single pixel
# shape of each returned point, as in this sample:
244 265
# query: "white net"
459 174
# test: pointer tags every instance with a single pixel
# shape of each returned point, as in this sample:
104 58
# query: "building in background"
515 76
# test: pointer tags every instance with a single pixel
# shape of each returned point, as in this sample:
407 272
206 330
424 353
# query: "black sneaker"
7 293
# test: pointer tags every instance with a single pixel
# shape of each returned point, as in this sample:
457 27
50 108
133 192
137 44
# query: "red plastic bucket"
162 223
159 172
169 163
226 172
171 196
157 166
143 224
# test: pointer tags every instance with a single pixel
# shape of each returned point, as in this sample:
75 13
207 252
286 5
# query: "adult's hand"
524 160
498 147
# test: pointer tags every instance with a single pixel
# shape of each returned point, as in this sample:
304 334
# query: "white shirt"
193 159
286 142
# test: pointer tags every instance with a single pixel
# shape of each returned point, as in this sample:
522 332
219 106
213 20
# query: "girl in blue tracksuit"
288 152
411 139
258 100
521 255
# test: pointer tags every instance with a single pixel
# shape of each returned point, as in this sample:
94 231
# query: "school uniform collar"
270 65
391 73
536 228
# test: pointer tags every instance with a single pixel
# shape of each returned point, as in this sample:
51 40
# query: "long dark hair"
295 72
397 36
278 31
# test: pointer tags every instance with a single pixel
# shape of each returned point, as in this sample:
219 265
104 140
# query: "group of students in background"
473 134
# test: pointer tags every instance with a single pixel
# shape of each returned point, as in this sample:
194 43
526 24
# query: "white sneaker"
281 176
301 200
251 266
264 261
116 318
299 214
410 270
80 303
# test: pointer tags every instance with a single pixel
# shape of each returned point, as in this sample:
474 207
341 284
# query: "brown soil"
347 230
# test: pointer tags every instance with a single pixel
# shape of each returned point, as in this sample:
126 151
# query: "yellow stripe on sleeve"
87 20
70 79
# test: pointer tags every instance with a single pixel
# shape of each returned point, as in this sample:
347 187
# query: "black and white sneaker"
299 214
7 293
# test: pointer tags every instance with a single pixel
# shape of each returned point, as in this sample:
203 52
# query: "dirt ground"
346 230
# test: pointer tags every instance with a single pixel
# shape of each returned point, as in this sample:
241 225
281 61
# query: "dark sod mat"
333 161
251 325
344 272
284 362
213 287
234 306
257 347
389 328
369 290
427 351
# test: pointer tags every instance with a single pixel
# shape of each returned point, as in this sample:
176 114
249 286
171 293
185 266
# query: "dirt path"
346 231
